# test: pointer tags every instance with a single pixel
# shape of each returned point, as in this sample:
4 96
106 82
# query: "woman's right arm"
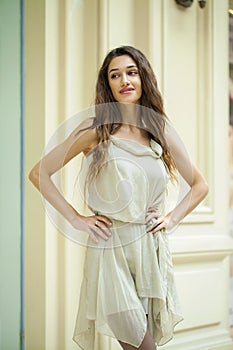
40 176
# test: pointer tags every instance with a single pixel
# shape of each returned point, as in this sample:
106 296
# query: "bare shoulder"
83 127
83 138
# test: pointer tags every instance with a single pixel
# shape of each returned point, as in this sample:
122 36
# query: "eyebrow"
130 66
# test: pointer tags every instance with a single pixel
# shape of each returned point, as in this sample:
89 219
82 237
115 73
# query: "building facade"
64 44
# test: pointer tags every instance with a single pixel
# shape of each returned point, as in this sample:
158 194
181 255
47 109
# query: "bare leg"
147 344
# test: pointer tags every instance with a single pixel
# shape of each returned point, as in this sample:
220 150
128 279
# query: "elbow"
204 188
34 176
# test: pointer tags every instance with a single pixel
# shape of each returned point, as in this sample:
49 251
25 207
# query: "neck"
130 113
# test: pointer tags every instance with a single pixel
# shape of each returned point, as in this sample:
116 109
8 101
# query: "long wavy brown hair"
108 112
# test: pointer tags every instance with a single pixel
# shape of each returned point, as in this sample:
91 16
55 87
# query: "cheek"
113 88
140 88
139 84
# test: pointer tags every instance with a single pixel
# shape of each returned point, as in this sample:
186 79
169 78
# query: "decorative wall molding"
103 29
200 246
205 107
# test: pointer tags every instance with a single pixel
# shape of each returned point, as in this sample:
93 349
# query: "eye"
133 72
114 76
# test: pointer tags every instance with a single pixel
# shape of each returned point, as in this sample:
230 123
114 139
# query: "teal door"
11 172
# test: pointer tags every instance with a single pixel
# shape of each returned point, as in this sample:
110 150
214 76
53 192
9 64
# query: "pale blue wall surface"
10 174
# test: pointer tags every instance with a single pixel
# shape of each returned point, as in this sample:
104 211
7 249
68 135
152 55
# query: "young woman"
130 153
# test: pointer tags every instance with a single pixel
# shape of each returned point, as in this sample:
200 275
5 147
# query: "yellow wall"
35 264
65 43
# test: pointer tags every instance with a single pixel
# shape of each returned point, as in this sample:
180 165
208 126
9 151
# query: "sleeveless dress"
128 282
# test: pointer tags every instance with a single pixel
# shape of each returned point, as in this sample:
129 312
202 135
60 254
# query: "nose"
124 80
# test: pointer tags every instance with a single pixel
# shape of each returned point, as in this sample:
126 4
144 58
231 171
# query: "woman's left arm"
198 191
193 177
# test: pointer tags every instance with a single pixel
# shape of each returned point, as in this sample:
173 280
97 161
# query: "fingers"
99 227
161 226
102 223
155 223
151 215
93 237
97 231
104 219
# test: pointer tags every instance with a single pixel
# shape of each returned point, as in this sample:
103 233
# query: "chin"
133 101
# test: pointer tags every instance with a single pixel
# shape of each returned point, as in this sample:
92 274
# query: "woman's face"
124 79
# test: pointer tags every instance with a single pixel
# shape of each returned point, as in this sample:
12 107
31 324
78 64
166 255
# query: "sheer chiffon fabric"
130 275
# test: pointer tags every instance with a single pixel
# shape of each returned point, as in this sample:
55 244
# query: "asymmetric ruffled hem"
114 282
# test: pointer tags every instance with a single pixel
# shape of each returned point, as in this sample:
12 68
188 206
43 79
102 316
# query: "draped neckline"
154 149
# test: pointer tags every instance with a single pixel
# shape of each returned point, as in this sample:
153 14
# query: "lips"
126 90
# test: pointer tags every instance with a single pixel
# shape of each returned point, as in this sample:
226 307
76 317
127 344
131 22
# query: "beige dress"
129 277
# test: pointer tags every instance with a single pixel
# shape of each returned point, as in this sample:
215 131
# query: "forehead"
121 62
